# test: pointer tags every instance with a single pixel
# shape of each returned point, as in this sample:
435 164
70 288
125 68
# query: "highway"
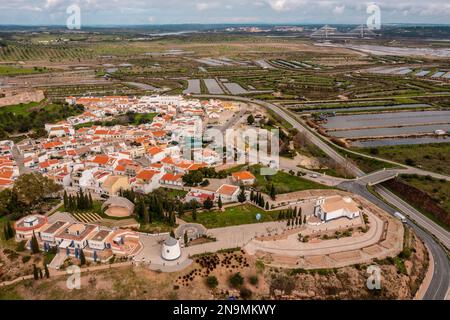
440 283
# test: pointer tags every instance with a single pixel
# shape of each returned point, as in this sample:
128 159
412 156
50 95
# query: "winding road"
435 237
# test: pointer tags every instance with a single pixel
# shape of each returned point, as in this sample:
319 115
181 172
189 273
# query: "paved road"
440 282
420 219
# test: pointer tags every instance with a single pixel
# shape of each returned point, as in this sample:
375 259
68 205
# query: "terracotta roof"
171 177
243 175
227 189
154 150
146 174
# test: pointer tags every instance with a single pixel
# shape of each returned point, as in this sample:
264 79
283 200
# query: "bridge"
377 177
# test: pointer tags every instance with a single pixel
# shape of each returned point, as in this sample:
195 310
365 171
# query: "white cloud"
339 9
201 6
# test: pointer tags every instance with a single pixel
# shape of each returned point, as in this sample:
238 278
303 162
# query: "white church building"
335 207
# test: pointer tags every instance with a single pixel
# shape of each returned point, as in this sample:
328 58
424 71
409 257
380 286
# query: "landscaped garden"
233 216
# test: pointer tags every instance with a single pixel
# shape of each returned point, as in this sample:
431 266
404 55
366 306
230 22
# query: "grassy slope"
433 157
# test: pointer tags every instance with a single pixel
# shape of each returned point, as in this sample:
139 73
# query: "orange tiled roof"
227 189
146 174
171 177
243 175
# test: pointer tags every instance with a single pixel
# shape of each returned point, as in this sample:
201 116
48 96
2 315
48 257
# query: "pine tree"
47 273
82 258
219 202
34 245
208 203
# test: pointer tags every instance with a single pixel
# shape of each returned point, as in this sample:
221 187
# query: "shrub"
236 280
212 282
406 253
245 293
253 280
21 246
25 259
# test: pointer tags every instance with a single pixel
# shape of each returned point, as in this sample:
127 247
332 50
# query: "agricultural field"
9 70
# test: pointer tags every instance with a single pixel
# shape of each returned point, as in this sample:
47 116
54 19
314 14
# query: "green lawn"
243 214
366 164
19 109
433 157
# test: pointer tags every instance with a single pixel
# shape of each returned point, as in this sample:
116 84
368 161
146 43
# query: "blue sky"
114 12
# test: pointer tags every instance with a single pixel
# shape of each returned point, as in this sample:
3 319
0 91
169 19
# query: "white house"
227 193
335 207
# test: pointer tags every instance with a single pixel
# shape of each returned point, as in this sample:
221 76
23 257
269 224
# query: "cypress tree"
91 202
66 200
194 213
304 219
272 192
267 205
11 231
241 196
146 215
219 202
5 233
40 273
47 273
35 272
185 239
34 244
252 195
82 258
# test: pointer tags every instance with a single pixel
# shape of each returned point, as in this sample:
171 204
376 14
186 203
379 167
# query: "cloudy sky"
115 12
